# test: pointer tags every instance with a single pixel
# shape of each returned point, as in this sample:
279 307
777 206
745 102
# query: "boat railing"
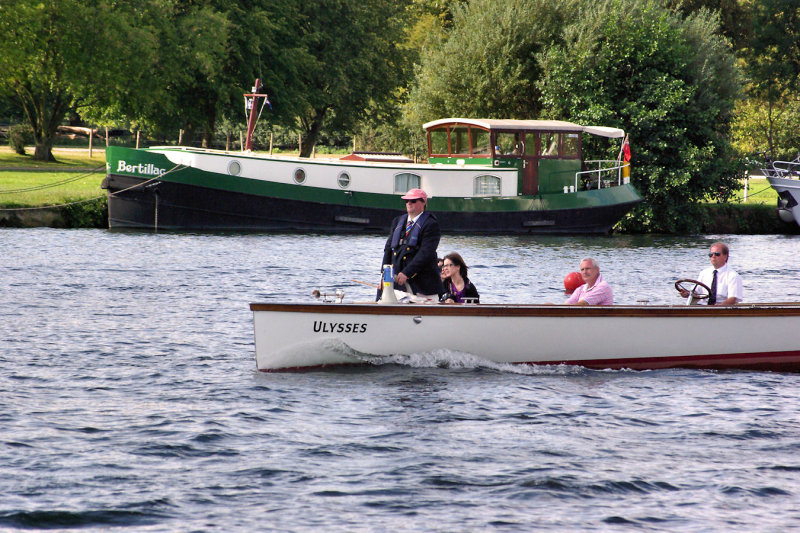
783 169
610 176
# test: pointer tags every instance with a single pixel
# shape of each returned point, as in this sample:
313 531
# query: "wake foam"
443 358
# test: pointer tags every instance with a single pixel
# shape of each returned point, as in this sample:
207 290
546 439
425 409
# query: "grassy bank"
65 193
25 182
32 189
67 158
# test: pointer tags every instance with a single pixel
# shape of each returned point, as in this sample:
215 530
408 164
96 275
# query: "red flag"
626 150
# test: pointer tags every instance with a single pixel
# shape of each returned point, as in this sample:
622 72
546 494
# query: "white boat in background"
784 177
293 336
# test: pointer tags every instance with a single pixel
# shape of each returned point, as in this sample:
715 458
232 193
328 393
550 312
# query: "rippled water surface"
129 398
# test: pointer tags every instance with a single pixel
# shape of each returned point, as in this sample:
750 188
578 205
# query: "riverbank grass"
75 177
67 158
759 191
34 189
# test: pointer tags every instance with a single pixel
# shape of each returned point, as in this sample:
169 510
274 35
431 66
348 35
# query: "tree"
772 60
486 65
671 83
352 65
734 16
179 78
55 55
764 126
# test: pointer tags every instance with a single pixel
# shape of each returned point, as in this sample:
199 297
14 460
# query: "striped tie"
408 228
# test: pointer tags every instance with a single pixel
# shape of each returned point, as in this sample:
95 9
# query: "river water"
129 398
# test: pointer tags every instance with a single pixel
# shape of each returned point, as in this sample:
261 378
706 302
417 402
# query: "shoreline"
755 219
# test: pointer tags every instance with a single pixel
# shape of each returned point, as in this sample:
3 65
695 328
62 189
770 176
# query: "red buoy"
572 281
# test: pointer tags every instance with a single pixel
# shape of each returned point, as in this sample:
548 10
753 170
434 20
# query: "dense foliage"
767 128
56 54
670 83
772 63
377 69
486 65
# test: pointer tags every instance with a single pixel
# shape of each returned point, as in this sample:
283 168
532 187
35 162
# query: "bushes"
92 214
744 220
18 136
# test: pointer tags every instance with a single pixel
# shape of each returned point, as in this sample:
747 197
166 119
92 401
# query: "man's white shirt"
729 283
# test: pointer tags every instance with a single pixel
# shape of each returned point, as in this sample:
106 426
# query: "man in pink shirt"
595 291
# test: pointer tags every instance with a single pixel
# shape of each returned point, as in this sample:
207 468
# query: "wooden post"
354 144
227 142
137 139
106 136
270 142
746 185
299 143
313 151
91 136
241 142
180 137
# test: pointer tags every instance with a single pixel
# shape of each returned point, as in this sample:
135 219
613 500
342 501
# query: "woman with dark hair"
457 286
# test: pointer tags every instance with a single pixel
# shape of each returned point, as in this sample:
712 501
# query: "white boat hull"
789 191
295 336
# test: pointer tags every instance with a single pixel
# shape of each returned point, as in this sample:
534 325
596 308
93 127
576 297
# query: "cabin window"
486 186
572 145
530 144
300 176
406 181
549 144
481 144
508 144
234 168
459 140
344 180
439 141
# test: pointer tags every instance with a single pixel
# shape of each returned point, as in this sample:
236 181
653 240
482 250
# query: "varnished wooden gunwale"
490 310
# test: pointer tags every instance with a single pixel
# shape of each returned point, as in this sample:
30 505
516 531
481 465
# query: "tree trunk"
44 150
210 111
44 115
44 139
311 133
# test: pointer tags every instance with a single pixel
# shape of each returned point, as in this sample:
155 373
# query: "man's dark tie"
712 296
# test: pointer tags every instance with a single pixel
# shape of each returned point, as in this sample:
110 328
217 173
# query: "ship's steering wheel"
691 286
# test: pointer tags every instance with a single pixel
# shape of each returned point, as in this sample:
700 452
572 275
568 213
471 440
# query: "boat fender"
572 281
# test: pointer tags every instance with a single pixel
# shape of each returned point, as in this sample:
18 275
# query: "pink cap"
415 194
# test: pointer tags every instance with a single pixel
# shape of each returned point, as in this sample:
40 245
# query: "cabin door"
530 165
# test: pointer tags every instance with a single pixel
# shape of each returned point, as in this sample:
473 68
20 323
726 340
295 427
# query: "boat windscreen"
459 140
571 145
481 145
439 141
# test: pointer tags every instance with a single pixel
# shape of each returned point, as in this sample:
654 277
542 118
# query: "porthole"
234 168
300 176
344 180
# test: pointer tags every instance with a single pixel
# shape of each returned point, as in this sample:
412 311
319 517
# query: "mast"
250 105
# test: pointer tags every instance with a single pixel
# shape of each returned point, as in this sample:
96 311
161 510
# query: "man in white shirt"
725 283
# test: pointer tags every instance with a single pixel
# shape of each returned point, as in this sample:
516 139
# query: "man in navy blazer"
411 247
